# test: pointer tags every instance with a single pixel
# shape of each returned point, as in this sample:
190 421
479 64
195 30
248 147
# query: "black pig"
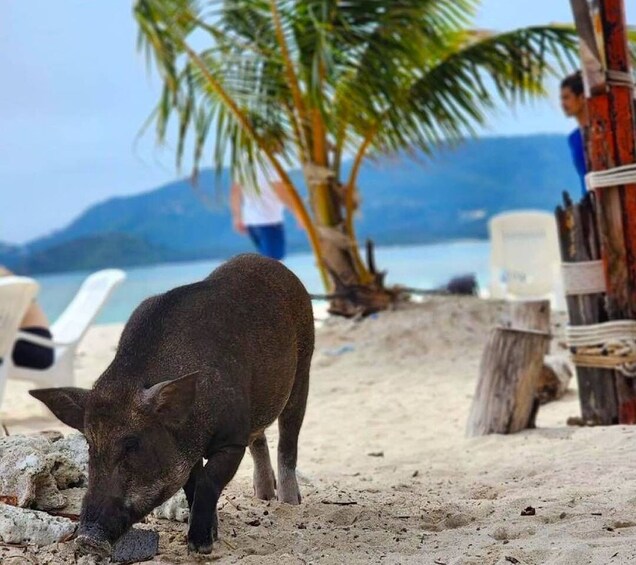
200 372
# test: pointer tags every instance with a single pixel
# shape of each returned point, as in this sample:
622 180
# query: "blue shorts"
269 240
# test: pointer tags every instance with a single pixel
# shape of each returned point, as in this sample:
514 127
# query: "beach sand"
387 475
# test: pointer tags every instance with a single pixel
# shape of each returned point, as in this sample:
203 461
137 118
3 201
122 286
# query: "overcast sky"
75 94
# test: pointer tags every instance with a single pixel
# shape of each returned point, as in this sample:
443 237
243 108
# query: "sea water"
421 266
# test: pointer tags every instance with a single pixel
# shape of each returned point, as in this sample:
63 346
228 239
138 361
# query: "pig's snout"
102 523
92 539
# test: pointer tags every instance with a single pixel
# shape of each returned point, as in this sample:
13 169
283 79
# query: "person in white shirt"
258 211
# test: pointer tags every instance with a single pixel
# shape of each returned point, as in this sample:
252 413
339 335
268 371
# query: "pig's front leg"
209 482
192 483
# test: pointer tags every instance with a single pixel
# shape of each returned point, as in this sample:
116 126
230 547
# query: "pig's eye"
131 444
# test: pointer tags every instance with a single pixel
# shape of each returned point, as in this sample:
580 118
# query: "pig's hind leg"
289 424
264 478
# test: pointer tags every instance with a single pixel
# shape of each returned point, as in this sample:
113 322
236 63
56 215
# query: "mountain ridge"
448 196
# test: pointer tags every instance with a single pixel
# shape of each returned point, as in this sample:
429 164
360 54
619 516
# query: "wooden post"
534 316
611 142
578 236
505 398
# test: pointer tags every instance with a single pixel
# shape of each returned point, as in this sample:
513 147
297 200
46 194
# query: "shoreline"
296 253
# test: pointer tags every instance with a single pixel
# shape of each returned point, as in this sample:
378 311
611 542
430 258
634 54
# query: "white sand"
385 432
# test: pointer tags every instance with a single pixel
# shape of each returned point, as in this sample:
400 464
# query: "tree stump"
534 316
505 399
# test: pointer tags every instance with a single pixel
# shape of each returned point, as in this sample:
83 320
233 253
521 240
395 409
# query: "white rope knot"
618 176
610 345
316 174
620 78
585 277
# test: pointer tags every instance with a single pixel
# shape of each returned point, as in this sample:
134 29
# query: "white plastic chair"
16 294
525 258
68 330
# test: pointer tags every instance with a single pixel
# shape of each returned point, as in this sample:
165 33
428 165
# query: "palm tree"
329 80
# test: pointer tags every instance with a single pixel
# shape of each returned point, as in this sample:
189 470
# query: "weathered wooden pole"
611 143
578 235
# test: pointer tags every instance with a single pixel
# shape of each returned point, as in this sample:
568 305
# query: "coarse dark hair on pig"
200 372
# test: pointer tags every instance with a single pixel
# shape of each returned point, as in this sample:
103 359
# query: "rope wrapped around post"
617 176
585 277
620 78
610 345
316 174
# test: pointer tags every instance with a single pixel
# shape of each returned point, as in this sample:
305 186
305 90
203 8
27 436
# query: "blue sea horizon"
415 266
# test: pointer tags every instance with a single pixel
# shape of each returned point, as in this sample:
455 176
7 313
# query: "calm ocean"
423 266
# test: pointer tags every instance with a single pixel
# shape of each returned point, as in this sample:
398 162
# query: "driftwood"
555 377
350 299
505 399
579 241
462 285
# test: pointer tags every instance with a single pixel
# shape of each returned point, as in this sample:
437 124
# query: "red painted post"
611 142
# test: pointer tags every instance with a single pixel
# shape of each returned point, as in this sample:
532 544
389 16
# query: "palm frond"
407 70
456 93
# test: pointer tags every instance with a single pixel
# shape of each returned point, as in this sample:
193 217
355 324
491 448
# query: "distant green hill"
449 196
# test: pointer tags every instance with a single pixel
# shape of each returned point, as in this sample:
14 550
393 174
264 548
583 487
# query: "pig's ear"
68 404
172 400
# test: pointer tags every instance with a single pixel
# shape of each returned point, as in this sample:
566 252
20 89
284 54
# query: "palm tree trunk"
355 291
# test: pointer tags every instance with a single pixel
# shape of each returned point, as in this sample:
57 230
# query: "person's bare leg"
35 316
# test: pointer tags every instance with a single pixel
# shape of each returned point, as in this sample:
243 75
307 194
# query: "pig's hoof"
266 492
293 499
288 492
265 485
90 546
203 548
200 541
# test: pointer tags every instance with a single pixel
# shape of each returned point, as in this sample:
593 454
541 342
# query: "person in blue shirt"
574 106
